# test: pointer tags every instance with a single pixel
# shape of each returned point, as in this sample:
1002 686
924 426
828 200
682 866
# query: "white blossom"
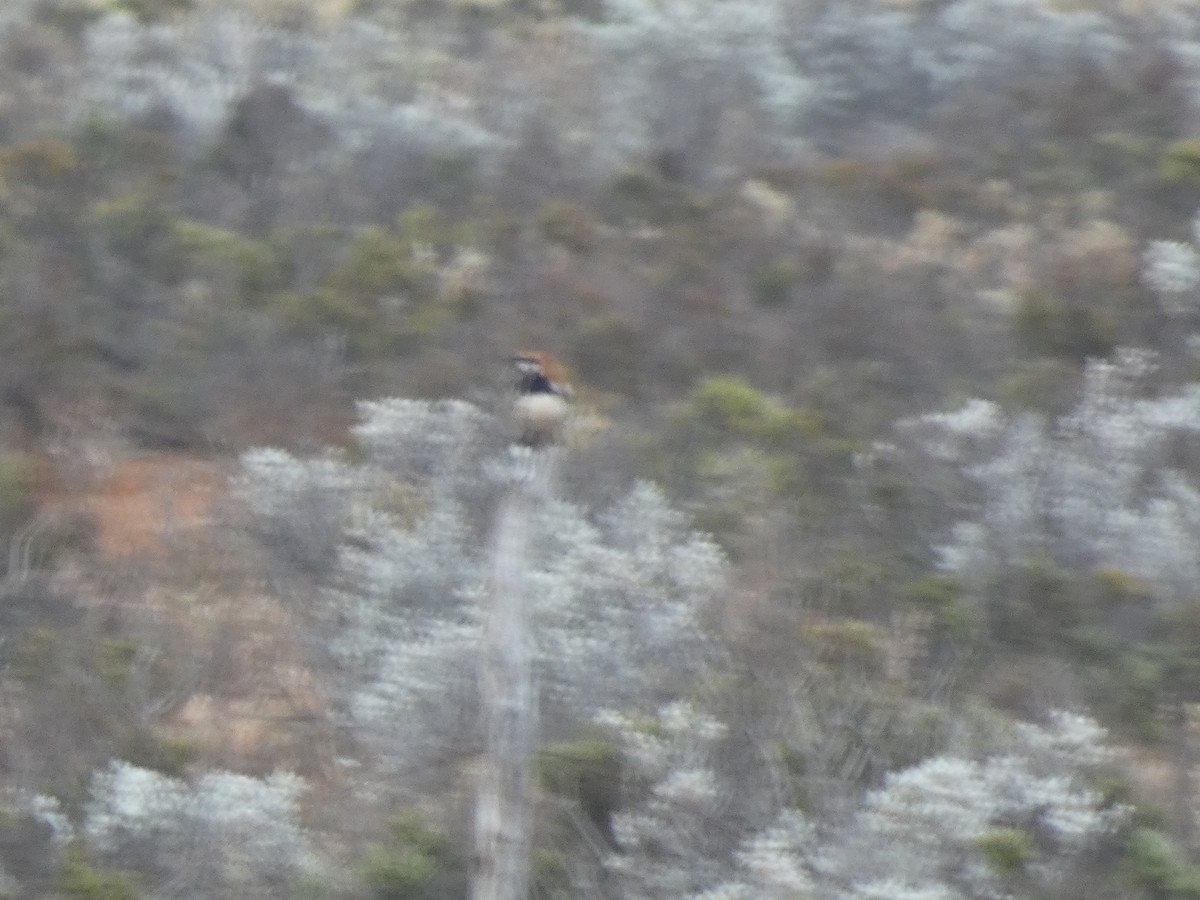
1093 488
666 832
615 596
229 833
1172 269
919 831
49 811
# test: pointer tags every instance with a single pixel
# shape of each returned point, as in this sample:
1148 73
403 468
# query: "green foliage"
772 283
847 645
744 451
378 262
153 10
724 407
1136 694
33 657
1180 164
1050 325
933 593
549 876
110 150
1155 864
78 880
641 194
383 293
20 477
587 773
940 595
251 267
152 748
115 659
1045 384
1007 850
1177 630
137 223
403 875
570 226
418 862
1036 606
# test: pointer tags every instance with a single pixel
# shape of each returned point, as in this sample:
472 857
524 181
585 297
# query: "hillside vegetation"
875 571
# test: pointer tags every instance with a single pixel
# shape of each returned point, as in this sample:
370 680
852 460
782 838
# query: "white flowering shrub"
349 77
1172 270
615 597
301 507
415 438
672 68
902 61
924 833
669 841
614 601
773 864
48 811
224 835
639 78
1102 486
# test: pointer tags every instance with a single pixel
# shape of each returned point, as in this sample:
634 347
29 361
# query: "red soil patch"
146 504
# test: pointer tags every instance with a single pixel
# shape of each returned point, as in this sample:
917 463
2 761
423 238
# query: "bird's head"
539 373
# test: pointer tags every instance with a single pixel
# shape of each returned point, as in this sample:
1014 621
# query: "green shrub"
772 284
1045 384
570 226
20 477
727 407
79 880
153 10
152 748
376 263
587 773
383 293
940 595
1007 850
137 224
1153 863
1180 164
848 644
418 862
33 657
115 659
549 876
642 194
1050 325
251 267
1036 606
399 875
1136 694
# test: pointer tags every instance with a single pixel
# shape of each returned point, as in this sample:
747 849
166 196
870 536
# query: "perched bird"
541 407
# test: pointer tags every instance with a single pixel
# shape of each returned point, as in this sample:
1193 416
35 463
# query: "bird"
542 404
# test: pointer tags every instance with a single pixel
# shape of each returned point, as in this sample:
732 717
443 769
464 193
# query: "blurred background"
876 570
